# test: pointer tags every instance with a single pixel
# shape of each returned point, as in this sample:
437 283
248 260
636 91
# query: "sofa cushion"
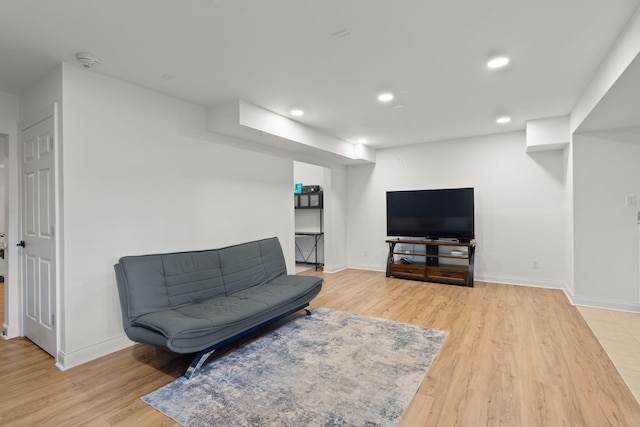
227 311
170 280
242 266
279 291
200 318
192 276
272 258
147 291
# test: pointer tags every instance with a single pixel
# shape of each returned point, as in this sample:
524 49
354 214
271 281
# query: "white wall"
621 54
518 203
568 219
41 95
9 108
335 215
606 230
308 174
141 175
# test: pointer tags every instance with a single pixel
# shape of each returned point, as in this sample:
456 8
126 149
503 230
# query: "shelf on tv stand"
437 266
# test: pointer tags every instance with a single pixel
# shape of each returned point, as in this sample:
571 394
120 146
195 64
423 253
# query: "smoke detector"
87 60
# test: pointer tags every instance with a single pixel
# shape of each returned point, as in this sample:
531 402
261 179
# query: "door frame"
50 111
12 326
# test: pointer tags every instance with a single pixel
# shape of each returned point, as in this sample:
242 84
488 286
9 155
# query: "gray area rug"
328 369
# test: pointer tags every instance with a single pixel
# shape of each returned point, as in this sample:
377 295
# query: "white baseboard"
332 269
67 361
545 284
368 267
505 280
605 304
9 332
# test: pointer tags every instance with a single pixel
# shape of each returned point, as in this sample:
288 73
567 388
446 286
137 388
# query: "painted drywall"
9 108
621 54
518 203
142 175
567 158
41 95
335 214
551 133
606 231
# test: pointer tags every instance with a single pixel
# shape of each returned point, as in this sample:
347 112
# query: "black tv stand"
436 263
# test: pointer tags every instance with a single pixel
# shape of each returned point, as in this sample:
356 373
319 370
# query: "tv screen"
431 214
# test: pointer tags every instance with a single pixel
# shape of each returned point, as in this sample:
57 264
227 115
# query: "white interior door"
37 231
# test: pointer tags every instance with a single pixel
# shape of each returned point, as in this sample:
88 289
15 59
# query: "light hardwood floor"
515 356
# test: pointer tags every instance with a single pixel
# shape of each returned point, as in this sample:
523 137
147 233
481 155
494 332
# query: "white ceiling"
281 54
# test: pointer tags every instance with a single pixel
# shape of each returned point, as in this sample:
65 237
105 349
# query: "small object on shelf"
457 252
310 189
406 260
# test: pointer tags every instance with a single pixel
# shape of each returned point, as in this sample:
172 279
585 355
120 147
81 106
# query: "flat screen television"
431 214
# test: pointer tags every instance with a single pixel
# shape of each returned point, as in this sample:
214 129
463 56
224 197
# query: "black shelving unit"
308 201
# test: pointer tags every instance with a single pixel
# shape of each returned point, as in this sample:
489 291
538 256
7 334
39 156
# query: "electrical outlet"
534 264
366 254
631 200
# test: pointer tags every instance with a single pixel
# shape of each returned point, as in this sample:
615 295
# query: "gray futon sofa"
195 302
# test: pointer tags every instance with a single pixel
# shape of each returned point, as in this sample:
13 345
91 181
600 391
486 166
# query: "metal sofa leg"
198 361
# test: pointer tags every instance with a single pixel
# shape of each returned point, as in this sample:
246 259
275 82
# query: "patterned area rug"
328 369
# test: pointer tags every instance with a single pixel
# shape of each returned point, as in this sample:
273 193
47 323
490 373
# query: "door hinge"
53 320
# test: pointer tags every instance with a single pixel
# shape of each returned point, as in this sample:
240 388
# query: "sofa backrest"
148 283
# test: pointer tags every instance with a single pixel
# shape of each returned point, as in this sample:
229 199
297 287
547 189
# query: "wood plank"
514 356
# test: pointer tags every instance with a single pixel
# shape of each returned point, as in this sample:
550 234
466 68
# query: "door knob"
21 243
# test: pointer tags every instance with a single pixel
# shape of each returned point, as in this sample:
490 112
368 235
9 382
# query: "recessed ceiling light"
362 141
503 120
297 112
385 97
498 62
